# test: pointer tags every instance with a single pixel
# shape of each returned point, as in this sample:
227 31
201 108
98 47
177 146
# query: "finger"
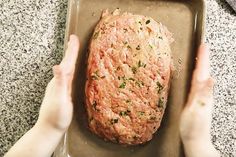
202 70
60 80
69 61
202 83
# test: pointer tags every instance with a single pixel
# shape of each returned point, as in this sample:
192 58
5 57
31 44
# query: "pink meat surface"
128 76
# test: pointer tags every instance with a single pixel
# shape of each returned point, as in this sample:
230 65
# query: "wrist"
46 128
204 147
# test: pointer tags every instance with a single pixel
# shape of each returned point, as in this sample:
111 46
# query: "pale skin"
196 117
56 111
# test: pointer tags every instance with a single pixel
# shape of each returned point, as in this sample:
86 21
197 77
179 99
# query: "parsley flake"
95 35
114 120
122 85
159 87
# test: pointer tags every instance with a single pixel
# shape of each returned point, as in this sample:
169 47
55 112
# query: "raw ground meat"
128 74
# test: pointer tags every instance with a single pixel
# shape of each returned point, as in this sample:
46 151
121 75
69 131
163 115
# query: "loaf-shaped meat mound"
128 75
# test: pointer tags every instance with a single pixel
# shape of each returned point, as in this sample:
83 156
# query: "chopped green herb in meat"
140 64
153 118
128 46
95 35
95 106
141 113
135 137
134 70
118 68
139 83
150 46
95 75
160 103
125 30
128 101
124 113
123 77
90 119
114 120
131 79
159 87
122 85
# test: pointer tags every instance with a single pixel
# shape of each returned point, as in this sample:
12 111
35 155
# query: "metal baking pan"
186 20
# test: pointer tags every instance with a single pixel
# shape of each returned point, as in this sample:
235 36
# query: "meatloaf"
128 74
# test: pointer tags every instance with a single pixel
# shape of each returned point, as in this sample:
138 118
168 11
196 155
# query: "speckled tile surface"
221 36
31 42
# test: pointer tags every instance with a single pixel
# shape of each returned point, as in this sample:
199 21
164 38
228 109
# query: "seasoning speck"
180 61
160 103
118 68
153 118
95 106
128 101
131 79
148 21
114 120
124 113
134 70
139 83
140 64
95 35
125 30
150 46
159 87
95 75
141 113
138 47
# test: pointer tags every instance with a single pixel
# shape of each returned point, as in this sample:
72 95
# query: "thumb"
202 83
201 74
69 61
63 73
202 70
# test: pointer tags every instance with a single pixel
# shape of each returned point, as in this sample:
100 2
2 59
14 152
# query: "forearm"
203 148
40 141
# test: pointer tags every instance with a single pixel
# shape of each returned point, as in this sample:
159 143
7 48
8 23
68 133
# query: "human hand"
196 117
57 108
